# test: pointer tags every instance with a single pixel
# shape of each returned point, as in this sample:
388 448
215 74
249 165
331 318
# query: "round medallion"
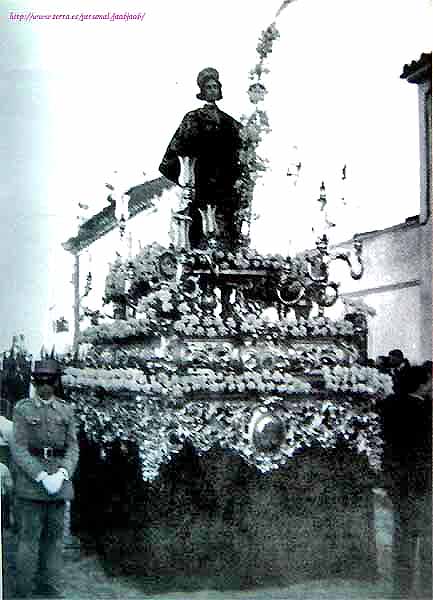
269 433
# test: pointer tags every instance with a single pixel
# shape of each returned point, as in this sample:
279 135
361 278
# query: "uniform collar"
51 402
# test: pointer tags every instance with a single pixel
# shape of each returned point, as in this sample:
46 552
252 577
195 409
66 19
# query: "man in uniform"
45 452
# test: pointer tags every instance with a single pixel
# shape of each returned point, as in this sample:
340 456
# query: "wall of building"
426 289
398 275
425 112
397 285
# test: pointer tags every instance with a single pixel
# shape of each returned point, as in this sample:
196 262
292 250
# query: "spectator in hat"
398 367
382 363
45 453
212 137
428 364
407 465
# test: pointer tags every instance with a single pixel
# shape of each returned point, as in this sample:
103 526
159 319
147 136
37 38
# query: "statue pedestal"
215 519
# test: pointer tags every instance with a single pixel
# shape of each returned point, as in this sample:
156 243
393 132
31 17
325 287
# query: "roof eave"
418 71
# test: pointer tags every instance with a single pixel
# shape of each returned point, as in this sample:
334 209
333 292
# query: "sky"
80 99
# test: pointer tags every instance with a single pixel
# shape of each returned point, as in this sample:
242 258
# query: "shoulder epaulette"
21 403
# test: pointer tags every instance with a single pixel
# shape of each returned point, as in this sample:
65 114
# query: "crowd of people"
406 418
44 452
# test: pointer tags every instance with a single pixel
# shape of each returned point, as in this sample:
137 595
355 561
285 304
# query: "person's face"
394 361
211 90
425 389
44 388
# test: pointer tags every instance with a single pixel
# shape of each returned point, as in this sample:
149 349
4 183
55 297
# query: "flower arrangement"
146 265
115 280
138 383
357 379
168 303
117 329
358 305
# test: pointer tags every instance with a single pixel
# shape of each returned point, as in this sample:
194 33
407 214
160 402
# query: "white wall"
397 323
397 284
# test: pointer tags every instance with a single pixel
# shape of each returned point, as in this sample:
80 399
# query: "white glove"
53 483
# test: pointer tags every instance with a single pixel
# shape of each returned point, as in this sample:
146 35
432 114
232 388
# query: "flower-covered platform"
228 426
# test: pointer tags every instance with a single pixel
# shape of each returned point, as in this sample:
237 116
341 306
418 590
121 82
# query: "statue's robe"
213 138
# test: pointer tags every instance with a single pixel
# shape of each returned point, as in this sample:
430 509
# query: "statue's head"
209 84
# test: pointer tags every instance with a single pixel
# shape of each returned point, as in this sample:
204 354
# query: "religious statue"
206 146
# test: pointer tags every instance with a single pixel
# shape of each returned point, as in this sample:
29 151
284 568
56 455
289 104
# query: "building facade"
398 260
106 235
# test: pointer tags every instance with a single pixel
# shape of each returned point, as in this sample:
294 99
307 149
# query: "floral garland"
135 381
145 266
357 379
137 355
244 258
250 325
193 322
208 424
254 127
354 380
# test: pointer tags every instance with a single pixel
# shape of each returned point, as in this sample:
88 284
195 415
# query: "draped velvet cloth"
213 138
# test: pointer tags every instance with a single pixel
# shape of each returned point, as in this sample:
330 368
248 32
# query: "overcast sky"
79 99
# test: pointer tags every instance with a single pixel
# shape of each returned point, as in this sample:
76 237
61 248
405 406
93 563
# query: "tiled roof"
418 70
141 197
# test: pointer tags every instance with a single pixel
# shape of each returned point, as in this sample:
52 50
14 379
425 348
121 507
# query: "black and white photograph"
216 299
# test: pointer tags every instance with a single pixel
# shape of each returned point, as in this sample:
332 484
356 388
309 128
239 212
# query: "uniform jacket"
39 425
